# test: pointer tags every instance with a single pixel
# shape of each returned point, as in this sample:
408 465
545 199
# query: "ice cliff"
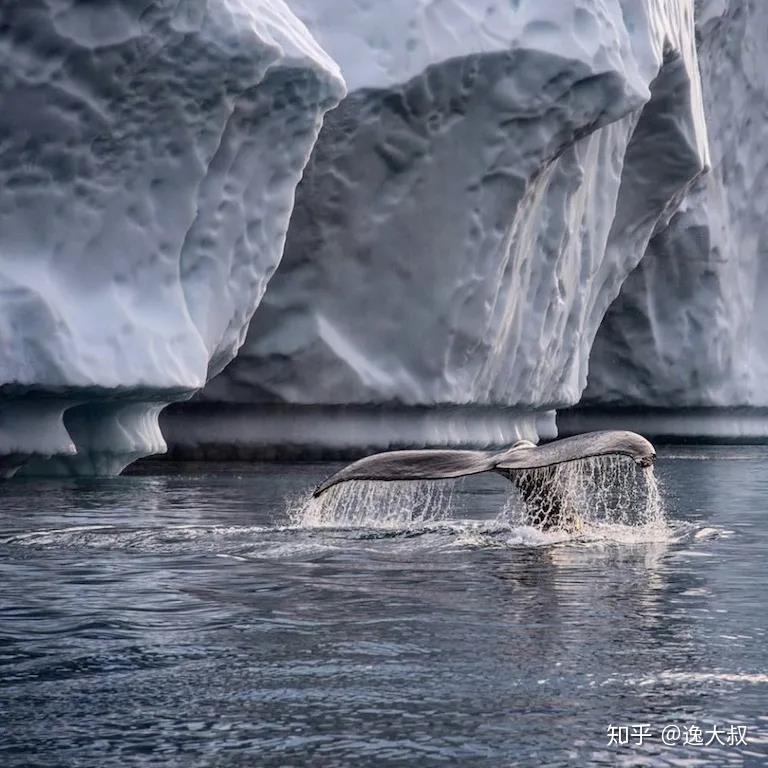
149 154
688 330
469 213
498 174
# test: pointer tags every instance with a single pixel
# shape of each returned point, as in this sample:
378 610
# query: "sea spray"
655 511
600 490
604 490
376 504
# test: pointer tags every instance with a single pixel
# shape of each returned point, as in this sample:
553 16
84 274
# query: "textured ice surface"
475 203
149 153
689 328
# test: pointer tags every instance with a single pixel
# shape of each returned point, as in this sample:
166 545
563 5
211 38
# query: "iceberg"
149 154
685 339
468 214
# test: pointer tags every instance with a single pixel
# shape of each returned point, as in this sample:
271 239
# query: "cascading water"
600 490
375 504
607 492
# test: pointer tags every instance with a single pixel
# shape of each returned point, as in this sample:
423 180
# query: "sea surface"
203 615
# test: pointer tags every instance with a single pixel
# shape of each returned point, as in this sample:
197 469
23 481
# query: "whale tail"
512 463
437 464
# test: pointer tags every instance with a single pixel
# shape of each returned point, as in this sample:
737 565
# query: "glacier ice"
149 153
466 218
468 214
688 329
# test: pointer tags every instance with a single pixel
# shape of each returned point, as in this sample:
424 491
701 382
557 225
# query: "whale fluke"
442 464
588 445
438 464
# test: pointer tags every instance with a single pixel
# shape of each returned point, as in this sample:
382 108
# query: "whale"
514 463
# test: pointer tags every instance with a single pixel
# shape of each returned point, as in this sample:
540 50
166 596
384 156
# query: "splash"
594 492
375 504
607 492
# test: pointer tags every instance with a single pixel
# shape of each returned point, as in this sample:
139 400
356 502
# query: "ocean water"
206 615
